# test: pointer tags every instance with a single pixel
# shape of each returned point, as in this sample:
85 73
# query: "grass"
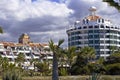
103 77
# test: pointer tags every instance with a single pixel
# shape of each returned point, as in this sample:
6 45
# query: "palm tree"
113 3
88 53
83 59
56 50
71 53
43 67
34 62
20 59
5 64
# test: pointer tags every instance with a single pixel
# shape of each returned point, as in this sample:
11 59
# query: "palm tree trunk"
55 68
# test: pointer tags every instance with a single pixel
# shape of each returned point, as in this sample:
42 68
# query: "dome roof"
92 8
93 17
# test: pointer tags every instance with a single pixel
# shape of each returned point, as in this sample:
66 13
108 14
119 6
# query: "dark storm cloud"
42 24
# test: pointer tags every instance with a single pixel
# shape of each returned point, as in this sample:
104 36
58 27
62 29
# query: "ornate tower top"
92 10
24 39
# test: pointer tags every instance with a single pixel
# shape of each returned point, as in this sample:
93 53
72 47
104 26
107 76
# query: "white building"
95 31
25 46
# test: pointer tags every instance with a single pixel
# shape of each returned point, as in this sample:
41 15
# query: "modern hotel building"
94 31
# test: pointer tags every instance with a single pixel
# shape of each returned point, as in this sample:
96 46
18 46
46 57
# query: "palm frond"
51 45
113 4
1 30
60 42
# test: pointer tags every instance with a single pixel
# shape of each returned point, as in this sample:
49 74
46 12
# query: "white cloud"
23 9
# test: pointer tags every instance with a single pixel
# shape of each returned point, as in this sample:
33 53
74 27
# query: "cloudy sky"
47 19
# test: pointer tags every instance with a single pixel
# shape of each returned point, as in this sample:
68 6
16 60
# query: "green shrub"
12 75
63 72
113 69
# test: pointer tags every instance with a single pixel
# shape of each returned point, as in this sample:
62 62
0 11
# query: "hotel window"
101 47
114 32
85 31
107 36
108 47
78 32
107 27
72 38
107 41
90 26
102 31
97 47
83 21
72 43
76 43
116 28
107 31
111 27
68 39
79 27
72 33
102 20
96 36
96 31
80 37
96 41
97 52
87 20
79 42
101 41
96 26
90 31
111 42
90 36
99 20
108 52
111 36
85 37
115 37
115 42
102 26
90 41
101 52
84 27
85 42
